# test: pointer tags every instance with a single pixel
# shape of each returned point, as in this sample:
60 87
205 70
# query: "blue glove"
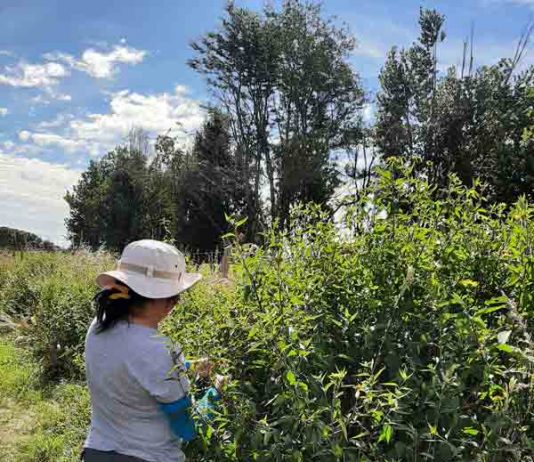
208 403
179 413
180 420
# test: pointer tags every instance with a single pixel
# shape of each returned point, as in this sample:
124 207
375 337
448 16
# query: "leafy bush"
402 333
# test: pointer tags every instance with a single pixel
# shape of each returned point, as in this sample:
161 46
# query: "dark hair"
110 311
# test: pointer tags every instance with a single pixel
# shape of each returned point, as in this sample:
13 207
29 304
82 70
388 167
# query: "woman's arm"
180 413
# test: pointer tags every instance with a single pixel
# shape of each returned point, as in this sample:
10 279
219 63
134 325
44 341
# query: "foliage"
284 78
60 427
472 122
402 333
38 424
176 195
285 123
409 339
49 295
212 188
109 205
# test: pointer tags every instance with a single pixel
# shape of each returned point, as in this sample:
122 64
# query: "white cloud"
99 64
31 195
62 97
6 53
52 139
371 49
37 187
3 111
33 75
99 133
58 121
103 66
50 96
24 135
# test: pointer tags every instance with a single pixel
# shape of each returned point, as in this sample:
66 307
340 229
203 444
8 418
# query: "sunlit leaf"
386 433
503 336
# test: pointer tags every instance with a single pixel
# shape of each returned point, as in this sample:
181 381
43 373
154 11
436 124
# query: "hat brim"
149 287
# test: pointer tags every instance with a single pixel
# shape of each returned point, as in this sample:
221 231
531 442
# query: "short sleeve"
161 372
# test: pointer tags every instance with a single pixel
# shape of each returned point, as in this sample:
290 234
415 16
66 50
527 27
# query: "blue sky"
76 76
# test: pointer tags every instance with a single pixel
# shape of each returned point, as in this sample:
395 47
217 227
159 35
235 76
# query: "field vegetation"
400 331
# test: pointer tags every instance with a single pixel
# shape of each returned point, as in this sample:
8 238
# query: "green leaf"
209 432
377 415
470 431
501 301
290 377
506 348
241 222
386 433
337 450
343 428
489 310
303 386
468 283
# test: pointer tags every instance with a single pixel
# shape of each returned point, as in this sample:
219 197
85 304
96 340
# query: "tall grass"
49 296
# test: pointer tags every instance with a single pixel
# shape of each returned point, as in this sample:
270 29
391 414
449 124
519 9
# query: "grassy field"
37 423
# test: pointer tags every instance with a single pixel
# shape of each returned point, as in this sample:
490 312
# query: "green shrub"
402 333
45 424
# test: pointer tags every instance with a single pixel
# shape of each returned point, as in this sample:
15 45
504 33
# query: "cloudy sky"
76 76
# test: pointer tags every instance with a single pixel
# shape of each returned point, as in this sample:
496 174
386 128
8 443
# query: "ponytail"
115 303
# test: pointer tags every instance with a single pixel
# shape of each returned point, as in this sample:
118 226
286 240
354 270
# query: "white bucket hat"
151 268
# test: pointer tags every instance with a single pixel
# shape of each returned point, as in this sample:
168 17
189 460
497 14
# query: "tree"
211 185
16 239
316 107
284 79
86 219
181 196
469 123
108 206
125 206
496 133
241 67
407 113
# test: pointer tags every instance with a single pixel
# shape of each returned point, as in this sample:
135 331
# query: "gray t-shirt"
130 369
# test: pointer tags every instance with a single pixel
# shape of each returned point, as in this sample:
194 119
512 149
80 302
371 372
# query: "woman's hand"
203 367
220 382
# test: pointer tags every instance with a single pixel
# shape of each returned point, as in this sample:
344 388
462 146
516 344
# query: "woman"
140 404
